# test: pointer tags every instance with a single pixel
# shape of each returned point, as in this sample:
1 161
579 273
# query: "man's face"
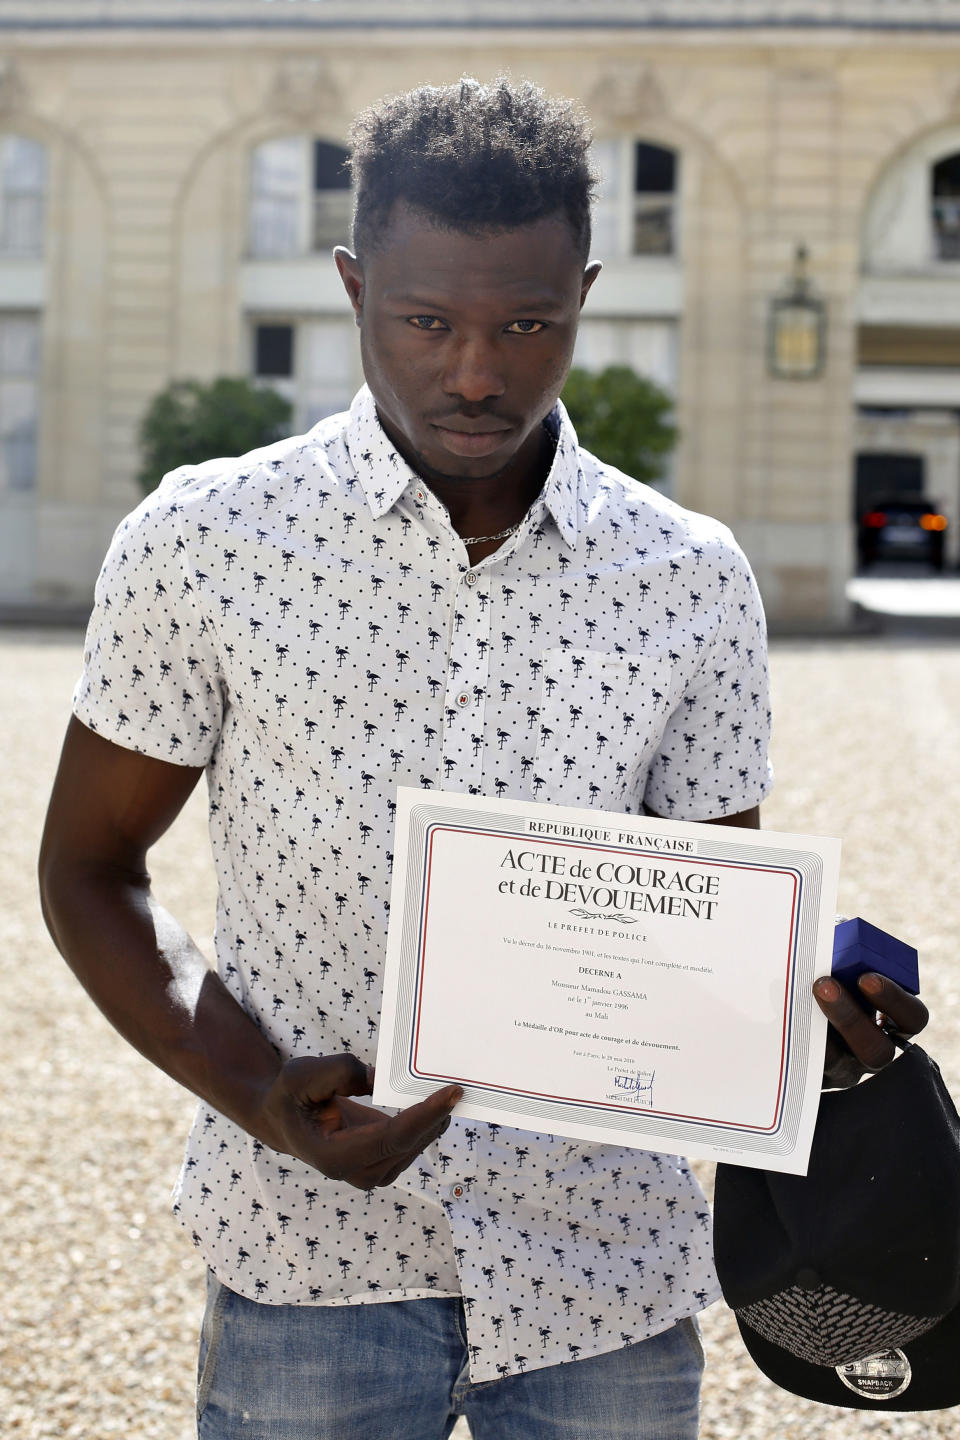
467 339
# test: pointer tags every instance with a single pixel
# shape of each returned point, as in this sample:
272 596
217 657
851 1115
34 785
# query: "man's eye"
525 327
426 322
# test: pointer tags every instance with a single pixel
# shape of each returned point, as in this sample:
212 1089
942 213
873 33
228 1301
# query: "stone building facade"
170 191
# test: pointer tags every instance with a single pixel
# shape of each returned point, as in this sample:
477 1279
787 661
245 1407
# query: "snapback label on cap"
882 1376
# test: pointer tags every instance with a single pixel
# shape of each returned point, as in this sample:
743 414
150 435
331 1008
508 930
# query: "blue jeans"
398 1371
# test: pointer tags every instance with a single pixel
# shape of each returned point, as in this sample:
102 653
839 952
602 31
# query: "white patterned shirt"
306 624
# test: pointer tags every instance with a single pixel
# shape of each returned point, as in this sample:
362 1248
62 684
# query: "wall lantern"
797 329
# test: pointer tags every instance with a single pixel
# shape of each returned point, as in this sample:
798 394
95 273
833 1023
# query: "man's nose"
474 372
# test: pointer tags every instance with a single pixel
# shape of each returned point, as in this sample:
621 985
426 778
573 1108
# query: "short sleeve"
151 678
713 758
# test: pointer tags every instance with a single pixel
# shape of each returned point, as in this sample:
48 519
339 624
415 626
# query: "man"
439 589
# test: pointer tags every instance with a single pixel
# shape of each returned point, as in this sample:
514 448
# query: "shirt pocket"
602 716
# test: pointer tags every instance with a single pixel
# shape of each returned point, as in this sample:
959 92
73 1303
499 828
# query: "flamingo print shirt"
305 623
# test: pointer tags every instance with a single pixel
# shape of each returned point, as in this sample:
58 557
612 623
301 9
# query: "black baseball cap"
845 1282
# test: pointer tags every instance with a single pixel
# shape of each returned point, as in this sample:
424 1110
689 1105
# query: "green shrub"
189 422
622 418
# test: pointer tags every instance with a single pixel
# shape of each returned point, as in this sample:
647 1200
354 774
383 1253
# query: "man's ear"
351 273
589 275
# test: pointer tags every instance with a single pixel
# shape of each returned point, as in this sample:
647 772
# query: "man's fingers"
395 1172
383 1173
391 1163
841 1068
405 1136
315 1078
371 1149
407 1128
413 1129
906 1013
858 1027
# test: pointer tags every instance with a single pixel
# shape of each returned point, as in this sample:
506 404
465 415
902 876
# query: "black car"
902 527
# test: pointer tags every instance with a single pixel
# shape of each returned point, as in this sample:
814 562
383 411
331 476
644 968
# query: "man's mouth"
466 436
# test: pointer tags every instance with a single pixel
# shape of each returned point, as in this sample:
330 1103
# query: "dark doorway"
885 474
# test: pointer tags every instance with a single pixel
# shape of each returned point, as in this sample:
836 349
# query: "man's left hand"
858 1041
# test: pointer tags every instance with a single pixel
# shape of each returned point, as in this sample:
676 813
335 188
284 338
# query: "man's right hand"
306 1112
109 805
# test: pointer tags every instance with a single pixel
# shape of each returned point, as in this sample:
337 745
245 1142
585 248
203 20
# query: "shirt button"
463 699
420 496
471 577
458 1191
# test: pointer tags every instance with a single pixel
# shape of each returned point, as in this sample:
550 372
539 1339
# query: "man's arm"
108 806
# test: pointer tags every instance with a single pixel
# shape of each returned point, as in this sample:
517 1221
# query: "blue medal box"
859 947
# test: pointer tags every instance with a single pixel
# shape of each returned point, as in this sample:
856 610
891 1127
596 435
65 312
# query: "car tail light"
933 522
874 519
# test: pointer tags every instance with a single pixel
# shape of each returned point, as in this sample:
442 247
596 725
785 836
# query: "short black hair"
472 158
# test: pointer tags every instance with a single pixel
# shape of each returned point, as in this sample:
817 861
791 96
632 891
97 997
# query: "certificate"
613 978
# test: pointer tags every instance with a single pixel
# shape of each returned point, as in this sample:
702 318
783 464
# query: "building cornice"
797 17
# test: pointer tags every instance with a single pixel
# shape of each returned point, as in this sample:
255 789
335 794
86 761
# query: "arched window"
654 197
912 218
23 183
636 209
300 198
945 178
332 196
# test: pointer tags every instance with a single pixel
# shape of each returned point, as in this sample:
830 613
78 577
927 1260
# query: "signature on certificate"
639 1087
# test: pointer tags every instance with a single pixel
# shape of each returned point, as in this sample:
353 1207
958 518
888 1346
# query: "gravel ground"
102 1290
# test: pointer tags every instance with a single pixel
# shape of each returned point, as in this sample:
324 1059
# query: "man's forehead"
415 249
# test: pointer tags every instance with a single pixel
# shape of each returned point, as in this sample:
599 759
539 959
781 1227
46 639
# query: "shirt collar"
384 475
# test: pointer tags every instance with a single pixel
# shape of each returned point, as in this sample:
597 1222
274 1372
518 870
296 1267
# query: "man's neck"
487 504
